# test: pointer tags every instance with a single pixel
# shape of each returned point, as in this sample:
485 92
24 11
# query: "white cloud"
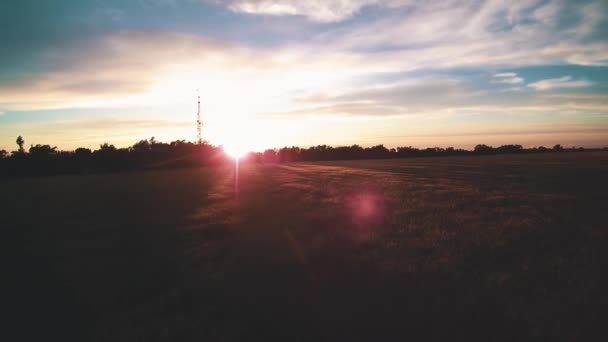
432 96
129 69
447 34
562 82
507 78
460 33
318 10
139 69
510 80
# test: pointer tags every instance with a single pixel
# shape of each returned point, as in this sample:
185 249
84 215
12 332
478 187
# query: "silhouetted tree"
141 146
82 152
106 147
42 151
509 149
270 156
20 143
379 151
558 148
482 148
150 153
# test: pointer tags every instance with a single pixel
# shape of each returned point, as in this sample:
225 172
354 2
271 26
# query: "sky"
271 73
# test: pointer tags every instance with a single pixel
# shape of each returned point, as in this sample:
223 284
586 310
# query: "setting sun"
236 150
236 139
241 135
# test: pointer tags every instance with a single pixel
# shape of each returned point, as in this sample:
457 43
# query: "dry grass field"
487 248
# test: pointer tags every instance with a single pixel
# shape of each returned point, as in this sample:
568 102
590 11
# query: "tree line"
41 160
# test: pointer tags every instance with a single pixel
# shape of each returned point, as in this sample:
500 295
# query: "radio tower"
199 122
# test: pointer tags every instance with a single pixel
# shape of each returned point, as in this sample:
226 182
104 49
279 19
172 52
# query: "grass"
490 248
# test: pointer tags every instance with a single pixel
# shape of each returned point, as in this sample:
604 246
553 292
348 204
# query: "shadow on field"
479 248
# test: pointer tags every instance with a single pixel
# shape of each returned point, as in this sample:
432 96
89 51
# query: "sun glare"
235 150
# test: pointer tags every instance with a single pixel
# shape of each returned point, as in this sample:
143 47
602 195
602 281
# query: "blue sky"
283 72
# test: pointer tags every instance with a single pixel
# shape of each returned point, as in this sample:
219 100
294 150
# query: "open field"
491 248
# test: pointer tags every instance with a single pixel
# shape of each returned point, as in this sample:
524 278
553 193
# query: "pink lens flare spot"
366 206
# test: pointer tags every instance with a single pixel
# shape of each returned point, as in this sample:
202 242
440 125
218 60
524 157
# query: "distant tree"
509 149
434 150
150 153
142 145
107 147
178 143
42 150
81 152
482 148
379 151
407 151
20 143
269 156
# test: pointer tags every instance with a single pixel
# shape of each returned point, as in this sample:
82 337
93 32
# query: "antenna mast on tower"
199 122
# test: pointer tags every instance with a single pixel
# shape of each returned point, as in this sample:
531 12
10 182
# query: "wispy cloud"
562 82
507 78
115 68
433 34
318 10
429 97
138 69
